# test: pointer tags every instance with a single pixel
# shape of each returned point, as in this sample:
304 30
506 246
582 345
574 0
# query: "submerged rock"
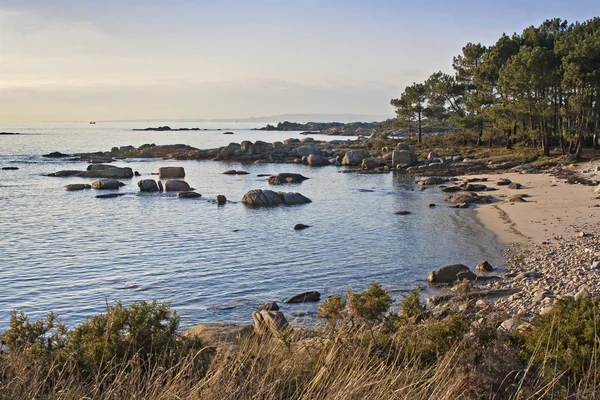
305 297
107 184
108 171
171 172
188 195
56 154
234 172
267 198
299 227
109 195
77 186
286 178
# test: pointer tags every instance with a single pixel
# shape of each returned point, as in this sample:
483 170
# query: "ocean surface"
71 253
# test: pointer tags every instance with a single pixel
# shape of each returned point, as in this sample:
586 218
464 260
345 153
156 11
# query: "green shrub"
370 305
42 336
411 305
567 339
333 310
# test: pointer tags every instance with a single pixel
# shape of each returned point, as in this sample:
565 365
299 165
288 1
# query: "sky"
79 60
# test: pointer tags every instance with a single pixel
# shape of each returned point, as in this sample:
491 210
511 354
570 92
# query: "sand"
554 209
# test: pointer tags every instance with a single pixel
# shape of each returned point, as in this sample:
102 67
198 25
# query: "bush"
333 310
370 305
567 339
411 305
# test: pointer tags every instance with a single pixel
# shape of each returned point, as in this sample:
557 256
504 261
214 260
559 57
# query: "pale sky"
79 60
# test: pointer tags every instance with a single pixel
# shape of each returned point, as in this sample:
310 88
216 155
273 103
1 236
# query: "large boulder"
373 162
273 322
355 157
188 195
267 198
100 167
77 186
306 150
217 333
174 185
316 160
148 185
402 157
451 274
305 297
107 184
171 172
108 172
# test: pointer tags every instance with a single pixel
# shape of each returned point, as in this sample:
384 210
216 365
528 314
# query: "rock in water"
107 184
355 157
316 160
148 185
267 198
286 178
109 195
171 172
299 227
221 199
10 168
55 154
451 273
188 195
373 162
305 297
292 199
173 185
270 306
234 172
403 212
107 171
77 186
485 267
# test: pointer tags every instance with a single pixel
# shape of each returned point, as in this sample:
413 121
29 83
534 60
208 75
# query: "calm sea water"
70 252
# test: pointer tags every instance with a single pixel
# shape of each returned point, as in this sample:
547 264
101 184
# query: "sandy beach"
552 209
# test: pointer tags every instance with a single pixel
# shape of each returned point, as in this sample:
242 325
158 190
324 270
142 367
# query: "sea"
72 253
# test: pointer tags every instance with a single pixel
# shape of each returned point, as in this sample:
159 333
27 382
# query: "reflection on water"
71 252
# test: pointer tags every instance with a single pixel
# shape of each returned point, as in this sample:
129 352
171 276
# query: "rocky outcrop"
77 186
148 185
306 150
468 198
217 333
316 160
305 297
171 172
107 184
355 157
272 322
451 274
373 162
270 306
268 198
56 154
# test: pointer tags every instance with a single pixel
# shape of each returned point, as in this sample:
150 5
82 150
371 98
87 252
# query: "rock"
431 205
262 198
434 180
504 182
317 160
516 199
109 195
403 157
188 195
107 184
290 141
108 171
528 274
270 306
160 186
515 185
56 154
305 297
306 150
582 293
100 167
290 198
234 172
451 273
77 186
299 227
135 173
355 157
217 333
468 198
485 267
403 212
10 168
286 178
148 185
539 296
273 322
221 199
451 189
227 133
66 173
373 162
171 172
432 155
512 325
461 205
471 187
174 185
583 234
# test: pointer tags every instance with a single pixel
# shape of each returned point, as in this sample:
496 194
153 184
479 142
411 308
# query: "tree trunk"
419 139
480 133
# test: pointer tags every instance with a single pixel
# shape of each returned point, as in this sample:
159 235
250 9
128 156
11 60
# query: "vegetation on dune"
363 351
540 87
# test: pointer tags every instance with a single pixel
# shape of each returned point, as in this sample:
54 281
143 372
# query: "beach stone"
77 186
504 182
66 173
270 306
373 162
451 273
471 187
355 157
109 172
107 184
515 185
431 205
529 274
148 185
171 173
452 189
160 186
188 195
299 227
434 180
310 296
582 293
283 178
517 199
221 199
485 267
174 185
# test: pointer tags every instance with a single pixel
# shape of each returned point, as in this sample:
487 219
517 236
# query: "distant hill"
300 118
